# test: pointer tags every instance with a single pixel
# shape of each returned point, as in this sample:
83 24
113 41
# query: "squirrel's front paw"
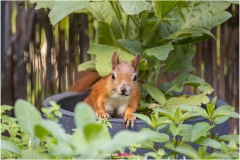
102 114
129 119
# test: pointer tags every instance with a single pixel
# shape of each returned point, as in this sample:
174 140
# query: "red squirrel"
118 93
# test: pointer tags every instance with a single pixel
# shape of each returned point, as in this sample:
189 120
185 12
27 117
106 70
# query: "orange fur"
118 93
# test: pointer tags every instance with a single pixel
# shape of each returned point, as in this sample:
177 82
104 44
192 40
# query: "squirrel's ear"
135 62
115 60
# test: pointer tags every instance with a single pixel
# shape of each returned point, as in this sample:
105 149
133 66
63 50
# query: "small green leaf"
186 132
155 136
188 151
188 115
87 66
84 115
143 117
177 115
160 52
166 112
211 106
4 108
195 109
225 110
199 129
27 115
221 119
175 130
9 146
134 7
205 141
193 100
229 138
156 94
191 80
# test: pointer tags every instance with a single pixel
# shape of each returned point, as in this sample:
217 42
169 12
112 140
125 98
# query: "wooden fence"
39 60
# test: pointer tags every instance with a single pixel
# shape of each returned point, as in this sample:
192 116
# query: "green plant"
184 135
31 136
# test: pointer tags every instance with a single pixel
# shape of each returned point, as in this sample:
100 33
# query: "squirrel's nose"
123 90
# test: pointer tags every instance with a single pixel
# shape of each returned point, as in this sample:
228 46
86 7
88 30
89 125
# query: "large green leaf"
134 7
103 57
180 59
89 66
123 139
84 115
191 80
160 52
194 100
51 127
131 45
61 9
161 8
195 19
186 32
96 132
156 94
200 129
27 115
109 29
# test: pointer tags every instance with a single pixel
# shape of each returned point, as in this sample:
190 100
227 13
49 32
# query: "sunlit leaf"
200 129
84 115
134 7
160 52
27 115
156 94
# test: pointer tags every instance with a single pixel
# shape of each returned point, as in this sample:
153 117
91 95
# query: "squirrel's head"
124 74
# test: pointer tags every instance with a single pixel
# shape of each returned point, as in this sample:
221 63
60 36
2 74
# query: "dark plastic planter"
68 100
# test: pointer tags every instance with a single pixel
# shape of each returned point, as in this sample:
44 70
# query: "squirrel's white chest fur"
116 104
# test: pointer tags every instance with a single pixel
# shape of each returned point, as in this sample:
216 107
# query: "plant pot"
68 100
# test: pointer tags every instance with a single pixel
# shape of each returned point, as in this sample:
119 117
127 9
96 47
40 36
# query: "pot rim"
57 97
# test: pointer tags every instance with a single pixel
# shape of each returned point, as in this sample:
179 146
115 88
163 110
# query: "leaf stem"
126 29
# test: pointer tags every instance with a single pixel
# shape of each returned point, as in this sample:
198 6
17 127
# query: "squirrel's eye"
135 78
113 76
